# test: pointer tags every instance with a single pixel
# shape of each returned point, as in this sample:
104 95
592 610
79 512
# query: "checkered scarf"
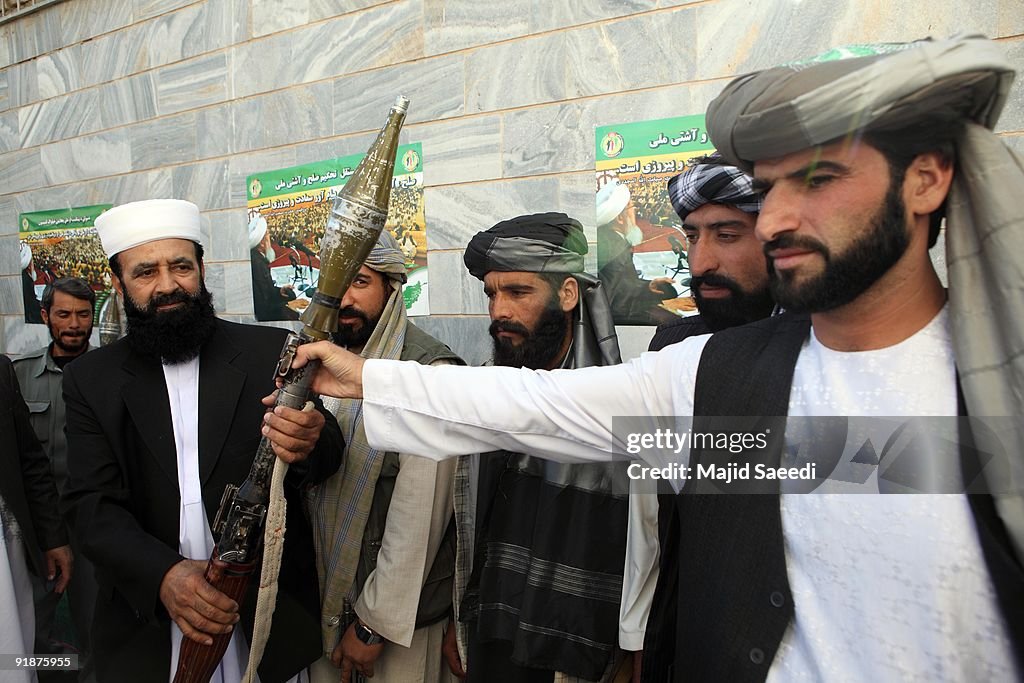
340 506
712 181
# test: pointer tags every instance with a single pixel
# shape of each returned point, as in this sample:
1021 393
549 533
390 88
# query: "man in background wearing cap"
67 312
382 525
540 549
29 277
269 301
633 299
158 423
718 208
856 160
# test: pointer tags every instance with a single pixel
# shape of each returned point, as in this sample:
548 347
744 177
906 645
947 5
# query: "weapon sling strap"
273 548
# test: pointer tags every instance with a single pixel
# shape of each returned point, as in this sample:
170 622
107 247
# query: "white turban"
612 200
26 255
130 225
257 229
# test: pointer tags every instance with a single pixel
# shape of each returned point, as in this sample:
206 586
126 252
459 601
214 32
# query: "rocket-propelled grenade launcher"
356 219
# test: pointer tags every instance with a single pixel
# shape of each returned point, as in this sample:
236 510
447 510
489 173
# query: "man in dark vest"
858 159
383 527
729 281
524 619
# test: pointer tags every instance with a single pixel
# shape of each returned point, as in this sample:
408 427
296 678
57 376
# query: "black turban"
538 243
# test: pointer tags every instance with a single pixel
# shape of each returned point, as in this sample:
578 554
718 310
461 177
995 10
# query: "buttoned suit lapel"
145 397
220 386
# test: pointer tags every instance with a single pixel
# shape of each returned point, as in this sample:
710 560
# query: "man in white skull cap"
29 276
268 299
158 423
633 299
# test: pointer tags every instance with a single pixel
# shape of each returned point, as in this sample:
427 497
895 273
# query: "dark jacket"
27 484
629 295
123 494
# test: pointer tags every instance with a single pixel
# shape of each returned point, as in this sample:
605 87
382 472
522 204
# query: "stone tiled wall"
120 100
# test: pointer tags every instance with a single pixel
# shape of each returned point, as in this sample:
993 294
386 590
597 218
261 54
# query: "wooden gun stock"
197 662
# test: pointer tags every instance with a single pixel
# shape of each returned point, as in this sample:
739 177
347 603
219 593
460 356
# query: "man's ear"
115 282
46 316
569 294
926 183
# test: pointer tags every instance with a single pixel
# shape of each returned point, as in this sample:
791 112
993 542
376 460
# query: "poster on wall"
295 202
641 248
60 243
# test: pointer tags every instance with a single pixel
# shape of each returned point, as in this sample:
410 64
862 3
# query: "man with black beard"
382 525
67 311
519 621
158 423
718 208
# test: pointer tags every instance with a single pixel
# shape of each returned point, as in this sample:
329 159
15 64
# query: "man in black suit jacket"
143 440
28 491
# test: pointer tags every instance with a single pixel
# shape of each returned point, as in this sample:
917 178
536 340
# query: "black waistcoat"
723 603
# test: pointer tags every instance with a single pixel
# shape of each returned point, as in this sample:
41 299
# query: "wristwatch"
366 636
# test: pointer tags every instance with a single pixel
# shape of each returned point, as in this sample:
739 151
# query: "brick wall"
120 100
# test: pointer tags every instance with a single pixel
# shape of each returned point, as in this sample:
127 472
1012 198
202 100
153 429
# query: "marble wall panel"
35 34
229 236
631 53
458 152
278 15
514 74
576 193
457 24
58 72
1012 118
8 223
33 199
89 156
378 37
127 100
321 150
9 139
549 15
170 140
240 20
434 88
115 55
144 9
215 132
288 116
238 287
242 165
20 170
129 187
452 288
23 83
560 137
457 212
59 118
10 263
325 9
83 19
10 295
6 52
188 32
213 276
5 93
204 184
466 335
736 37
192 83
160 183
263 64
1010 18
